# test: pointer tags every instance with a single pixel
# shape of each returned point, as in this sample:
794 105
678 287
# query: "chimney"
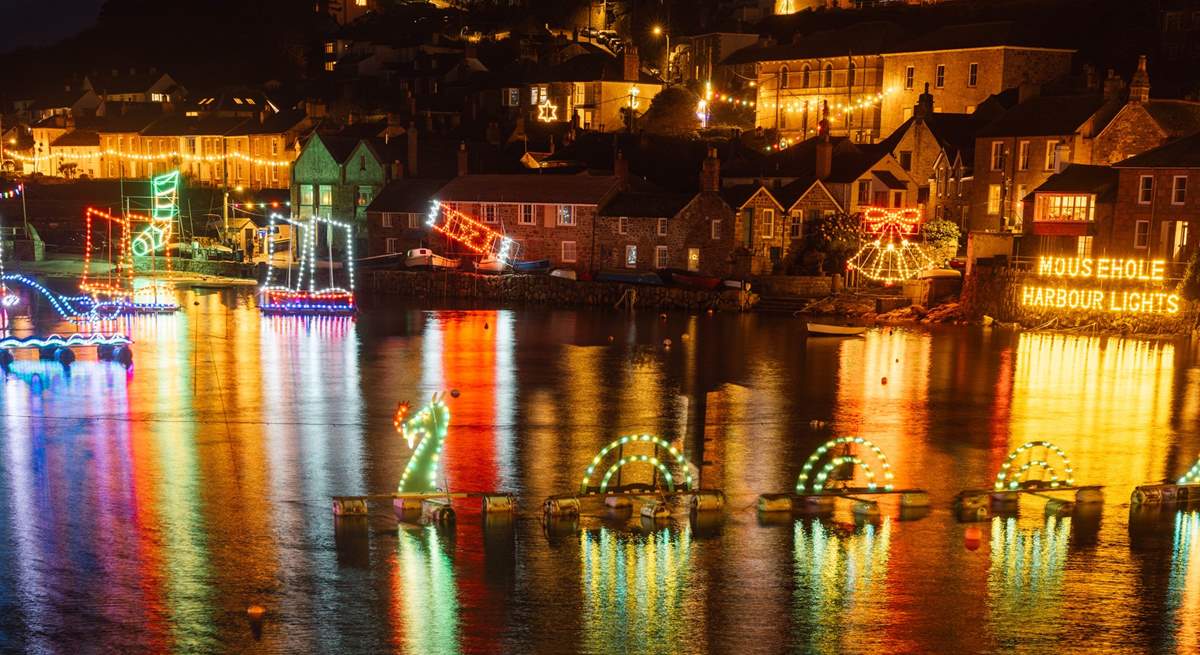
633 66
1028 91
412 149
1139 86
462 159
1113 85
621 169
710 172
924 107
1091 77
824 162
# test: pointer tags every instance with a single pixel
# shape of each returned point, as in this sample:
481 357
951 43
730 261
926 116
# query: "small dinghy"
826 330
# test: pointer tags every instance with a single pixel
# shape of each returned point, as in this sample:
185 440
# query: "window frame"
661 257
996 156
1145 191
994 209
939 77
1023 155
972 75
526 217
631 249
661 229
910 74
1178 190
714 229
562 251
1141 239
768 214
566 216
492 210
385 220
622 225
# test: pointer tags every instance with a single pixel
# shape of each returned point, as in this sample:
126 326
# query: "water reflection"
1026 575
425 603
1183 597
635 591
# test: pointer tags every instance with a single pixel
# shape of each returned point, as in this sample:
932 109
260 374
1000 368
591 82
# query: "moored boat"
827 330
532 266
490 265
565 273
690 279
629 277
426 258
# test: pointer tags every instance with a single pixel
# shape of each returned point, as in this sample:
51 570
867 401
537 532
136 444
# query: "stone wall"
547 289
799 286
995 291
197 266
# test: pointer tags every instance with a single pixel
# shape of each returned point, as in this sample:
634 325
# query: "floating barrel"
1005 502
123 355
437 510
1057 507
6 360
64 356
971 514
707 501
46 353
865 509
561 506
775 503
1147 495
914 499
349 506
104 352
499 504
1089 496
819 504
618 502
655 509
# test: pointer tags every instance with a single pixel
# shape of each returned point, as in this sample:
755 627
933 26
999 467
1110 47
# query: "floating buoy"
485 325
884 380
972 538
6 360
710 311
684 337
663 316
64 356
196 303
454 393
610 338
255 612
666 343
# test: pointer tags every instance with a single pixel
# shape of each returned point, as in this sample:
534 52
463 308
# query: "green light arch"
1192 476
653 461
1007 479
823 451
658 442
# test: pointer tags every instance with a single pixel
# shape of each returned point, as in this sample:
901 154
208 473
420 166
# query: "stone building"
396 217
337 177
550 217
1144 123
651 229
757 234
1158 201
1071 215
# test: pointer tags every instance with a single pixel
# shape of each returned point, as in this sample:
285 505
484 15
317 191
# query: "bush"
837 238
1189 288
941 240
672 112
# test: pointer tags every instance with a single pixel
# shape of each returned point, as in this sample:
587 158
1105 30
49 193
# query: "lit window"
568 251
630 256
1141 234
414 221
360 3
714 229
693 259
527 215
385 220
768 223
306 195
326 199
662 227
329 47
1051 148
329 66
660 257
1023 156
993 200
489 214
1178 189
566 215
997 156
1083 247
622 225
1145 189
972 74
909 73
365 193
939 78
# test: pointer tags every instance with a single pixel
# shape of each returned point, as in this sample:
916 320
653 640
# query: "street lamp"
659 31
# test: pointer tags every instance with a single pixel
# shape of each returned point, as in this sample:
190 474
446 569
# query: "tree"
941 240
672 112
835 239
1189 287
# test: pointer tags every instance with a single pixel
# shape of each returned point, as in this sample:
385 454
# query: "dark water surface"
144 512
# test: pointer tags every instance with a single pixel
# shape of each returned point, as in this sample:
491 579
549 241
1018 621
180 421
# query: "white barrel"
708 501
655 509
775 503
499 504
1092 496
618 502
349 507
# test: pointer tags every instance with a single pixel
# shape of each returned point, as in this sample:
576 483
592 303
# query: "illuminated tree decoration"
306 297
825 453
675 456
890 255
426 431
1192 476
1009 479
471 233
547 112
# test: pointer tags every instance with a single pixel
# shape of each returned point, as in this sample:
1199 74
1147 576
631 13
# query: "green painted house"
337 177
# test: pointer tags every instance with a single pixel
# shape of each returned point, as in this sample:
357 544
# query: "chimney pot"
462 159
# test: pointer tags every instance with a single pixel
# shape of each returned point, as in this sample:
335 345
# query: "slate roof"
955 133
889 180
974 35
646 204
339 147
739 194
1180 153
1046 116
533 188
183 125
1081 178
406 196
136 83
77 138
1175 117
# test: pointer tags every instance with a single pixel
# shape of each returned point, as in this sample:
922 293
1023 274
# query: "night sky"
38 22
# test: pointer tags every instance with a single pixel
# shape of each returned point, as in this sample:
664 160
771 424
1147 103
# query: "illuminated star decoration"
426 433
547 113
891 256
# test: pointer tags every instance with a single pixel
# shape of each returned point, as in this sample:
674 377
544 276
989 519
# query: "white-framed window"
385 220
622 225
630 256
307 195
490 215
568 251
1145 189
939 78
1051 146
566 214
997 155
864 192
1178 189
414 221
660 257
972 74
662 227
527 215
1141 234
910 73
392 245
714 229
1083 247
796 228
512 97
993 199
1023 156
768 223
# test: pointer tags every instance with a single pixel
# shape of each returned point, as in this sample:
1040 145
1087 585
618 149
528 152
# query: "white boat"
426 258
490 265
826 330
564 273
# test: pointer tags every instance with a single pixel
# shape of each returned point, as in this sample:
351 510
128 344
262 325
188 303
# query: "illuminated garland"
677 456
427 432
276 298
77 339
1192 476
170 156
1003 480
471 233
824 449
12 193
890 257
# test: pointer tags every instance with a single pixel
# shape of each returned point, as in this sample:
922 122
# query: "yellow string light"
160 157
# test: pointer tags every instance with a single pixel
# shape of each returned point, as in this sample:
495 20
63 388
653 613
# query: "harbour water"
145 510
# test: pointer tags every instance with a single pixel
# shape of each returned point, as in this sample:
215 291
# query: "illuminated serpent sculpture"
426 433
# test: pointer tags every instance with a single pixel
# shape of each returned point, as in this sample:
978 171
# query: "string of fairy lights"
168 156
12 193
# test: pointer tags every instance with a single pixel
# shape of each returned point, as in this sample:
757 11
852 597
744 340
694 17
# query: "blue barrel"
64 356
123 355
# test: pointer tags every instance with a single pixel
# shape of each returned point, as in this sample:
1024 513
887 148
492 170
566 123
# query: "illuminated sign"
1091 299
